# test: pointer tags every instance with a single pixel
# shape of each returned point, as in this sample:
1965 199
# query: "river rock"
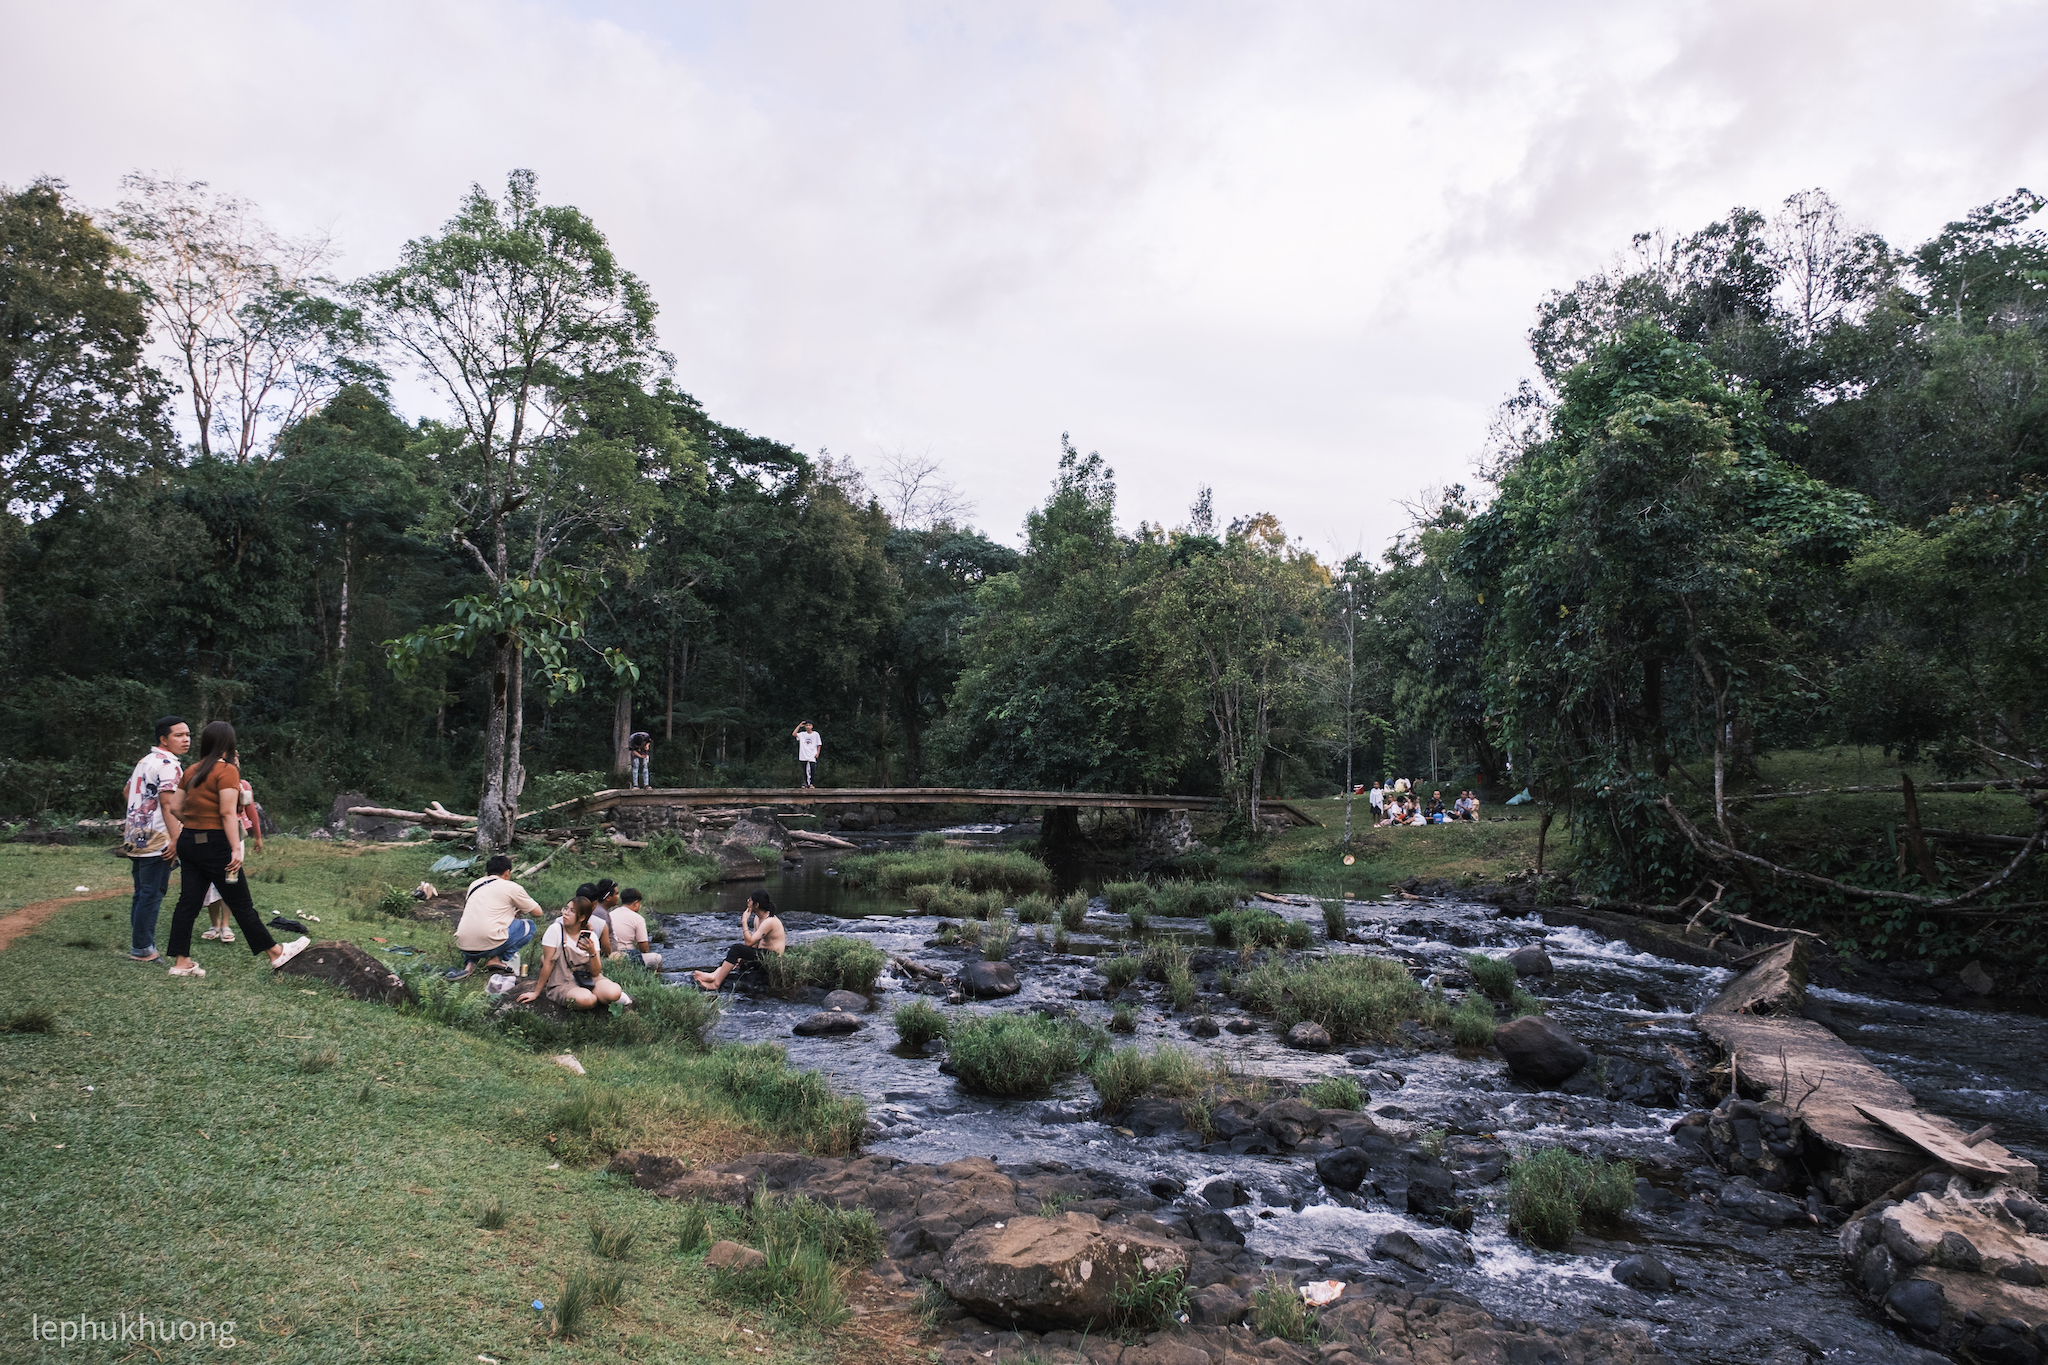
1760 1141
1741 1198
1645 1272
1215 1226
1423 1251
732 1256
736 862
1776 985
988 980
1203 1027
1976 980
1049 1273
350 968
1289 1121
1530 960
1233 1118
1241 1025
1344 1169
1309 1036
853 1002
1216 1306
827 1023
1224 1194
1149 1116
1538 1051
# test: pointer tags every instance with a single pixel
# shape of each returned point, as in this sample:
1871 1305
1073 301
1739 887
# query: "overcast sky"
1287 250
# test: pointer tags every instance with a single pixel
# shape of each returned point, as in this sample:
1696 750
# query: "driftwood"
619 840
822 840
432 815
917 968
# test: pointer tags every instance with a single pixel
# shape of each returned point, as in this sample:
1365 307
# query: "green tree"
521 316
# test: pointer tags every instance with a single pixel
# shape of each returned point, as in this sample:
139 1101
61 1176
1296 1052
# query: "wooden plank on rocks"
1947 1147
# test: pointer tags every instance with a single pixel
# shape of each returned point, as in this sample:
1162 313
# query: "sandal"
194 970
291 950
211 933
227 936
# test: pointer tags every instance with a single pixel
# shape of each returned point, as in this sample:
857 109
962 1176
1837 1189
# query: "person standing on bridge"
639 747
809 744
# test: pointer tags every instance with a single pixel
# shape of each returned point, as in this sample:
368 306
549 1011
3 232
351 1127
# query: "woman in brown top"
210 852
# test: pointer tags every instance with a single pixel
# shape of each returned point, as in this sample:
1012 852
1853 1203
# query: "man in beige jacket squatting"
492 931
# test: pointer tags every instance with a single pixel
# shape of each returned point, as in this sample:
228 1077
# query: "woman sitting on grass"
571 964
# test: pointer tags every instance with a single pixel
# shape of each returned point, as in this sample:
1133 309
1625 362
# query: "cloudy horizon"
1291 252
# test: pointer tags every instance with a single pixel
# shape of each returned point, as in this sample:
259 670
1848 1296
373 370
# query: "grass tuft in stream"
1554 1192
1127 1073
1074 911
1189 900
1494 975
1257 929
1472 1023
1334 1092
1121 896
970 869
1020 1054
918 1022
1279 1311
1120 971
1355 998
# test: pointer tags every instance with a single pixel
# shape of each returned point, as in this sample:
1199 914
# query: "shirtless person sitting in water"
760 932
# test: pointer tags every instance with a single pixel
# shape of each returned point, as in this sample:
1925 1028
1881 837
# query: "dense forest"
1774 483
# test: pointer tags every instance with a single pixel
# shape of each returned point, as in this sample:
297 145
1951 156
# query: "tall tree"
519 313
247 312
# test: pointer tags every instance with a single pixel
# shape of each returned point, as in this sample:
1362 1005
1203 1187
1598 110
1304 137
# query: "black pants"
204 855
741 953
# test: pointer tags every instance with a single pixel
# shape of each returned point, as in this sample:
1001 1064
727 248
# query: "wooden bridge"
725 797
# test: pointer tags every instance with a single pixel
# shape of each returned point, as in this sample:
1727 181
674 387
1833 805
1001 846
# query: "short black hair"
166 724
498 863
605 887
630 896
588 891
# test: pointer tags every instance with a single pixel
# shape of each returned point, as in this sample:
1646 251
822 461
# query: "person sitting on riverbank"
571 964
491 930
761 933
629 932
1466 808
1436 808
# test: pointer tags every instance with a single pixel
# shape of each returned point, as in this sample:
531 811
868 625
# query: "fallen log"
559 850
619 840
434 816
917 969
807 836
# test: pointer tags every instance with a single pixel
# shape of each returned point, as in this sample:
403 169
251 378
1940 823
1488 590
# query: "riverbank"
316 1169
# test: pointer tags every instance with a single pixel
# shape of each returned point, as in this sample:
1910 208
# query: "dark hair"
604 889
580 908
763 900
588 891
166 724
498 863
216 742
630 896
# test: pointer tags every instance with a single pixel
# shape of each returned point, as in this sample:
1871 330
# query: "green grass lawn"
1311 858
261 1150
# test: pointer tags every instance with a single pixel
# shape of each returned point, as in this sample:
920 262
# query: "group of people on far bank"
1400 803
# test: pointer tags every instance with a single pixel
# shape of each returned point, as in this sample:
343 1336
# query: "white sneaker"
291 950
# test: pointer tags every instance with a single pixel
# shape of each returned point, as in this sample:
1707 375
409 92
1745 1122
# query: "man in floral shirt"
151 833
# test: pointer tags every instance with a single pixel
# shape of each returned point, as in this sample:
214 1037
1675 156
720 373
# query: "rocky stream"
1404 1202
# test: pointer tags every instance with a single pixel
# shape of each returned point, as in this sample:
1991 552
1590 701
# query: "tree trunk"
493 831
1916 841
1542 837
341 634
622 729
515 767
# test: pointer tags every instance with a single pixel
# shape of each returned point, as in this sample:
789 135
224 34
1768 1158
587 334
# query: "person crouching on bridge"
572 964
761 932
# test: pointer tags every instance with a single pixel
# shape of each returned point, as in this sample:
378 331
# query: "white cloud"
1290 251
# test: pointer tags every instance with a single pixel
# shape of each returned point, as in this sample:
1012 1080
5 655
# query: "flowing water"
1747 1294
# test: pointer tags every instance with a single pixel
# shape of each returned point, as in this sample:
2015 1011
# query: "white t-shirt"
808 742
553 939
629 929
1377 797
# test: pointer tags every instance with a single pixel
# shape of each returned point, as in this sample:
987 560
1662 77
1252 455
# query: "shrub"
918 1022
1494 975
996 941
1184 899
930 839
1060 942
1472 1024
1121 896
1139 918
676 1014
1125 1074
1279 1311
758 1081
1252 929
614 1244
834 962
1521 1002
1162 960
974 870
943 898
1019 1054
1120 971
1123 1019
1553 1192
1036 908
1334 1092
1074 910
1435 1011
1334 923
1180 985
34 1019
396 902
1355 998
769 855
1150 1303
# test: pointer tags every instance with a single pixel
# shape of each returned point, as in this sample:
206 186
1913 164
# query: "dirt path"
18 922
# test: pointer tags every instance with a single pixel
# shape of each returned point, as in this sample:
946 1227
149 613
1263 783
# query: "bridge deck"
895 796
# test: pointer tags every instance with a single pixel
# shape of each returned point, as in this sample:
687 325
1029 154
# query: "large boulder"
1050 1273
988 980
350 968
1530 960
736 862
1538 1051
851 1001
1309 1036
827 1023
1961 1270
1775 985
1344 1169
758 828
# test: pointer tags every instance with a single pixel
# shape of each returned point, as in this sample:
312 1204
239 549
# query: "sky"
1287 251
